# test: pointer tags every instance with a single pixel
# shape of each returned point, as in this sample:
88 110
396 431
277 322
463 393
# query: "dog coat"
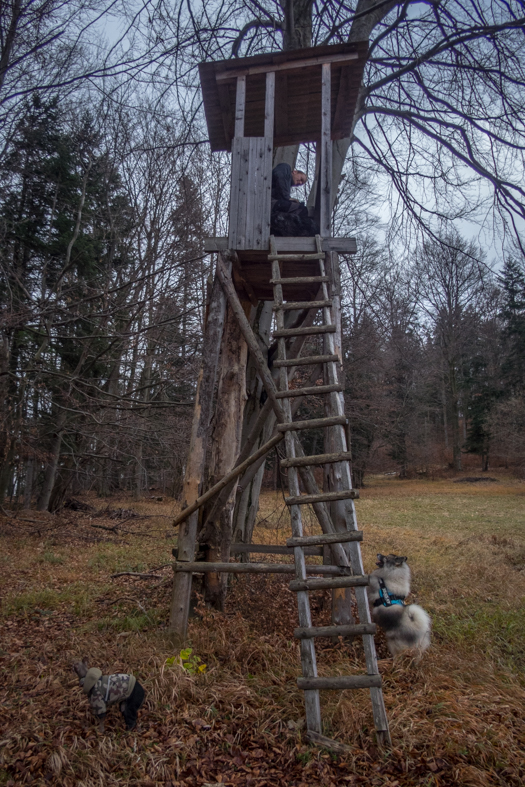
107 689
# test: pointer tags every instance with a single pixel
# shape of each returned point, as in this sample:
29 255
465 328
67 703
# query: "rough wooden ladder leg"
344 522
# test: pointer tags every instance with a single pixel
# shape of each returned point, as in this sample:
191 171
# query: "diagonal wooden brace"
225 480
251 341
266 377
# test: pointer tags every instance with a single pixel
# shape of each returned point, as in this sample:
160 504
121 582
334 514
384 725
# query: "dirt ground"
456 714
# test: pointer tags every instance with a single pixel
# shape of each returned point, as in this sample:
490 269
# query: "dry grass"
456 715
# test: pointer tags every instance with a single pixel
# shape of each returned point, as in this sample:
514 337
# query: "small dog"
404 626
104 690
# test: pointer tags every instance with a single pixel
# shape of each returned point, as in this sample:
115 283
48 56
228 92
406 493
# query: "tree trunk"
456 428
138 486
360 31
200 431
224 449
52 465
248 503
5 418
28 482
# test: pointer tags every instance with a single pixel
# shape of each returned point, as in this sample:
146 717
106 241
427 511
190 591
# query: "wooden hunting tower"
252 106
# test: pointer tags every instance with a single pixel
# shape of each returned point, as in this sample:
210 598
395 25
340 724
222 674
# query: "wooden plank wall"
251 184
250 199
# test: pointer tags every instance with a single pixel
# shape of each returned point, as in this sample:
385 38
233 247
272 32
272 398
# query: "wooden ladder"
340 531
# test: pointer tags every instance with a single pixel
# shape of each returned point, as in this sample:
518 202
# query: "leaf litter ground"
456 715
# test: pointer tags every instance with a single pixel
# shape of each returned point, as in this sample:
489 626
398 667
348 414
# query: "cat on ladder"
405 626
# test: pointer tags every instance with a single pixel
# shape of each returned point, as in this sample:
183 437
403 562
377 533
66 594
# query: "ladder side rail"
307 646
345 519
342 611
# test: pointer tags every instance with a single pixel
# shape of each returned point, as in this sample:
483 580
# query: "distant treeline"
103 291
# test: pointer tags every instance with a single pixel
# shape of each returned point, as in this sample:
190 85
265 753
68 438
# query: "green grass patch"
488 628
77 598
134 621
113 559
34 600
50 557
4 776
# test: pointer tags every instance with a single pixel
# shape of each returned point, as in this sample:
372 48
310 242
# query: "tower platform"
253 272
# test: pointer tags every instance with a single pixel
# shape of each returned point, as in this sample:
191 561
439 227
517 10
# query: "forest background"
108 188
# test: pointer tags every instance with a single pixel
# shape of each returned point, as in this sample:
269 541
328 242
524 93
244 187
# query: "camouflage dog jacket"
108 690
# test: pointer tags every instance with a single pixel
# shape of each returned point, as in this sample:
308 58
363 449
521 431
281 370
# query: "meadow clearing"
456 714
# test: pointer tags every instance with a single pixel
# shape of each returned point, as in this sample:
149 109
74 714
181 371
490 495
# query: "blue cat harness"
387 599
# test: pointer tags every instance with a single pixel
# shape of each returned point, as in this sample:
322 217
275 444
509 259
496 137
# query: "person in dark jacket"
283 179
289 217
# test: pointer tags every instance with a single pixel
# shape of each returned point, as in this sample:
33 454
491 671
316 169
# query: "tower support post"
200 431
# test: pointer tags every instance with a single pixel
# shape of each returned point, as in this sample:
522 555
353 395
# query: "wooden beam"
240 102
314 423
349 630
324 584
323 497
326 538
225 480
341 682
306 360
256 568
272 549
327 743
326 155
302 245
314 390
244 454
269 104
318 459
231 73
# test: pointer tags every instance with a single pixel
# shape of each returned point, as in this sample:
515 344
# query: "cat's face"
390 561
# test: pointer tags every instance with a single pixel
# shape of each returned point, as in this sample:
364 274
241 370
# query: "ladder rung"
350 630
329 584
326 538
325 497
298 257
313 423
301 280
202 567
303 305
328 743
341 682
308 360
270 549
317 459
312 390
313 331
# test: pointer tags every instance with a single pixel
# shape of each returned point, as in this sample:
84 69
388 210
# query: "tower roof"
297 93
